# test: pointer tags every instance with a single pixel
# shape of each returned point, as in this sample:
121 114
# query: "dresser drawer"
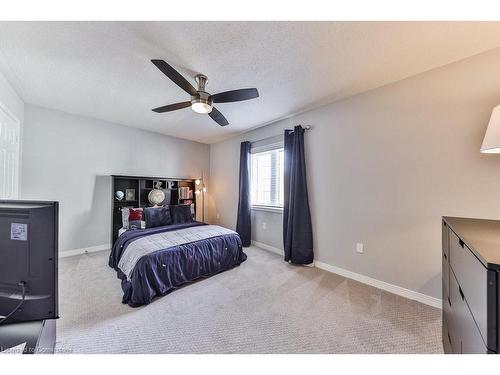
445 232
446 306
472 279
446 339
445 270
463 331
454 325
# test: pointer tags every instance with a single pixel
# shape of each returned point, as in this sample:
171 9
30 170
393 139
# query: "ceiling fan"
201 101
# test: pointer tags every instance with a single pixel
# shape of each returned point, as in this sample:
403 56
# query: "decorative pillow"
136 224
134 215
157 216
126 214
181 214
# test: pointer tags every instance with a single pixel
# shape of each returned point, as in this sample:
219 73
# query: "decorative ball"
119 195
155 197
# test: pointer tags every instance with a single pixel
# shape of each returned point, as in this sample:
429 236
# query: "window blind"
267 175
267 144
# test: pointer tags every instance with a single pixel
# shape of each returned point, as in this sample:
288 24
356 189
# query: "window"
9 156
267 178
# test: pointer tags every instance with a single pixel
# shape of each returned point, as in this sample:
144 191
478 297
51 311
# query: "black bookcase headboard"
136 190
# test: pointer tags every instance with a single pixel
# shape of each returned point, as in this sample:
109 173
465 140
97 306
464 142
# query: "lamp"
491 141
201 189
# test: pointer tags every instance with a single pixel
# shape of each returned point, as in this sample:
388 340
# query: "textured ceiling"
103 69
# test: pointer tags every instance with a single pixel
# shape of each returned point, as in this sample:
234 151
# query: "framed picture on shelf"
130 194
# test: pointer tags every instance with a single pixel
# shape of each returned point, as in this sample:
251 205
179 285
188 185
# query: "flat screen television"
28 260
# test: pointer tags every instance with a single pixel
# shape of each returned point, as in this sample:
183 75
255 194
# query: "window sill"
274 210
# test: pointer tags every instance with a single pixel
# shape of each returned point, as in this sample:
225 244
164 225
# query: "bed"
153 262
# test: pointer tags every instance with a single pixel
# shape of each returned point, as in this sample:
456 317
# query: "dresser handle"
461 293
449 338
445 257
461 242
449 301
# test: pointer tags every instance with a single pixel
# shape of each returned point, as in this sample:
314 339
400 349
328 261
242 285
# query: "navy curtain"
297 227
244 222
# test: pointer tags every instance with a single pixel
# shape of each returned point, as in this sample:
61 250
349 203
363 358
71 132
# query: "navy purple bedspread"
161 271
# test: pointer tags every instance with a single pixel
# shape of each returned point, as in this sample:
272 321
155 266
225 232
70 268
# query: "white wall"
70 158
13 105
383 167
10 99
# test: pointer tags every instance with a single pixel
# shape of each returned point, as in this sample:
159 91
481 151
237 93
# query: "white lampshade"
491 141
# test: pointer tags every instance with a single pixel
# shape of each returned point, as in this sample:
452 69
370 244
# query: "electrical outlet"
359 248
218 216
264 225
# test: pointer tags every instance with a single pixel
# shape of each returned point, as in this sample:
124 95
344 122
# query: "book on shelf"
185 193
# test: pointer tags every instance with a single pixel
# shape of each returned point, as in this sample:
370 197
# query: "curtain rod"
307 127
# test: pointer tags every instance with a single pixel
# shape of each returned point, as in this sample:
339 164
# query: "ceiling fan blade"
218 117
235 95
175 76
172 107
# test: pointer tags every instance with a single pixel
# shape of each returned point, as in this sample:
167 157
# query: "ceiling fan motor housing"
201 80
202 96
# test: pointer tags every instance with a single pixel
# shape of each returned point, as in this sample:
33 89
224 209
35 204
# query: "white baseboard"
400 291
275 250
272 249
85 250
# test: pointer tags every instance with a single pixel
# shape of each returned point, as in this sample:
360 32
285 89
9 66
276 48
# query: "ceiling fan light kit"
201 101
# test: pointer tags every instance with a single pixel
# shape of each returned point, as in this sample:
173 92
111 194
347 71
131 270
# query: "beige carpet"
263 306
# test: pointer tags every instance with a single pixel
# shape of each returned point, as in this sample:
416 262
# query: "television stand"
38 336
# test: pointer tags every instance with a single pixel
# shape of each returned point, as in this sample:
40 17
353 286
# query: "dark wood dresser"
471 265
